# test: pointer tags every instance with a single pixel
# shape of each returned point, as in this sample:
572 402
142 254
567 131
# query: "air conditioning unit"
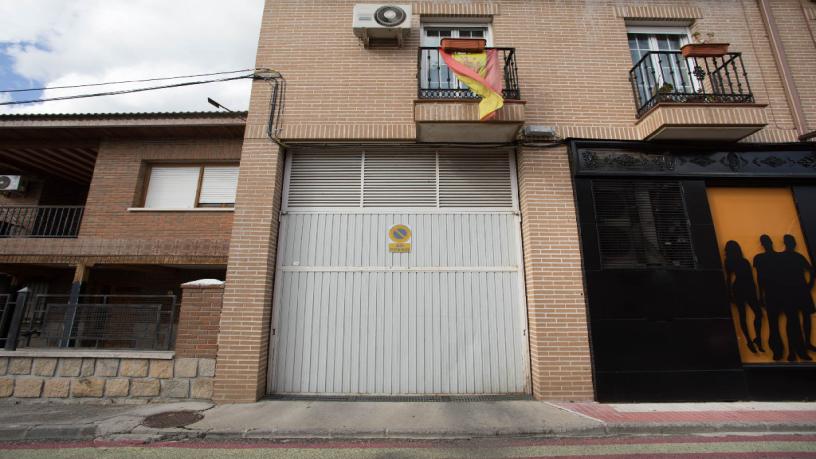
12 184
378 25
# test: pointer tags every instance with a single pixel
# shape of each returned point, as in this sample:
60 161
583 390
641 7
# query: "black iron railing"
141 322
40 221
436 81
667 76
6 310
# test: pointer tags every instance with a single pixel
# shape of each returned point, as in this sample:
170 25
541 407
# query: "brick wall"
572 79
797 26
117 185
199 318
559 339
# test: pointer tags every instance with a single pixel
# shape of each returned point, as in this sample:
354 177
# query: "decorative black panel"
642 223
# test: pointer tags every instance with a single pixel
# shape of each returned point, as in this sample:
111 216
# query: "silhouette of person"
743 293
771 291
798 277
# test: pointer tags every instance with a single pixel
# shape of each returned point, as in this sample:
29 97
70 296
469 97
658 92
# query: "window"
642 224
188 187
435 74
659 66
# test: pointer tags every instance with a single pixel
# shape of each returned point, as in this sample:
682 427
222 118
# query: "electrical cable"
122 82
126 91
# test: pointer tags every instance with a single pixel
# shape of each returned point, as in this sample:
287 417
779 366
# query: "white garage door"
352 317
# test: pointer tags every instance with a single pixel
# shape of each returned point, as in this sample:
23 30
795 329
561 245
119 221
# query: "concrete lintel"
89 353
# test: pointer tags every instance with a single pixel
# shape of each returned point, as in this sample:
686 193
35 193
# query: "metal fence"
40 221
436 81
667 76
6 309
141 322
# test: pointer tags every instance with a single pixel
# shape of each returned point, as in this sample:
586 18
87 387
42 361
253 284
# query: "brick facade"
199 318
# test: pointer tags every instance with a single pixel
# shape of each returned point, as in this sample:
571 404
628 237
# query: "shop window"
642 224
187 187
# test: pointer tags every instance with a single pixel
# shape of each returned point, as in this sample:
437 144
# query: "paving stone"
144 388
69 367
28 387
107 367
44 367
117 388
133 368
175 388
87 368
202 389
19 366
3 365
87 387
186 368
162 369
6 387
57 388
206 367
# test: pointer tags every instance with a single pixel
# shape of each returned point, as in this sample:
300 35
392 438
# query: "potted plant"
704 47
464 45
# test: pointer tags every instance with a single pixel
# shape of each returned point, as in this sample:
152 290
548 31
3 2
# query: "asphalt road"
725 446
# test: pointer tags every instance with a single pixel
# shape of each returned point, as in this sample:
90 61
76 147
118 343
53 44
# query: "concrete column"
556 308
243 340
199 318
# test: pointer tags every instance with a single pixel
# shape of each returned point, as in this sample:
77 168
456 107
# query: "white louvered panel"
475 179
172 187
399 179
325 180
218 185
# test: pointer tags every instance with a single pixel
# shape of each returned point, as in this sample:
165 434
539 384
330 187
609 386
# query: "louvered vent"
325 180
408 178
475 179
642 223
400 179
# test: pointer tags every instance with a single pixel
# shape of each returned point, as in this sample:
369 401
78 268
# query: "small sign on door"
399 239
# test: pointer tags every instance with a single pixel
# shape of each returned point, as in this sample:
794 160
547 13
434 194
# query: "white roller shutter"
399 180
408 178
218 185
172 187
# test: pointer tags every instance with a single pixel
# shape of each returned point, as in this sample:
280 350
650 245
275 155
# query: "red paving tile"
607 413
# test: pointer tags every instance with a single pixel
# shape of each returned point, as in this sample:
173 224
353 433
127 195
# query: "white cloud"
89 41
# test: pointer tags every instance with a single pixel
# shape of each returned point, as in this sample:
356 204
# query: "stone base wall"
107 380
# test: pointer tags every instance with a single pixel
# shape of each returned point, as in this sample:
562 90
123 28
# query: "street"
686 446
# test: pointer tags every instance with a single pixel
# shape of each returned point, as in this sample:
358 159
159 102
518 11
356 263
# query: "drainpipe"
778 50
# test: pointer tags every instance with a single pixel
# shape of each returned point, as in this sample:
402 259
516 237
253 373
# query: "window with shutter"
420 179
172 187
642 223
218 185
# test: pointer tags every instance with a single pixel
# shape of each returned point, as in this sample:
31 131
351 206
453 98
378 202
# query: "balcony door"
434 74
659 68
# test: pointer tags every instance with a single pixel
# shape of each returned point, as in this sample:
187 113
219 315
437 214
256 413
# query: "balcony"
447 111
40 221
694 98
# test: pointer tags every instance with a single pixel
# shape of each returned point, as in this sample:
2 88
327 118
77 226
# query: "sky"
46 43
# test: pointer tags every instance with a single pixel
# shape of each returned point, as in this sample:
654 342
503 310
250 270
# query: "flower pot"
704 49
464 45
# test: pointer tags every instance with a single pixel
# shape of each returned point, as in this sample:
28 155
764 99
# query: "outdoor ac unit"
12 183
378 25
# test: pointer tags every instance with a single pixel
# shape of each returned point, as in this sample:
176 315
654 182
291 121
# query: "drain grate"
399 398
172 419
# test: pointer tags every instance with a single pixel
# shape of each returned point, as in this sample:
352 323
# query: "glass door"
434 74
660 68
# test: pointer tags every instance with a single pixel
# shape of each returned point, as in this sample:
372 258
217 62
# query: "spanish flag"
480 72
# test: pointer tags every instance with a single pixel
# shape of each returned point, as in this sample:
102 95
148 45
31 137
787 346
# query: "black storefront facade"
674 239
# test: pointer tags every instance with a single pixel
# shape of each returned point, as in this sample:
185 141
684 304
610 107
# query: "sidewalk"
405 420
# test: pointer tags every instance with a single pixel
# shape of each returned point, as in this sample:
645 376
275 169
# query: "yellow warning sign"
399 239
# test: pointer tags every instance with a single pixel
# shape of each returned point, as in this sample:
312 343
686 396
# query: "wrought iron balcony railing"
40 221
436 81
667 76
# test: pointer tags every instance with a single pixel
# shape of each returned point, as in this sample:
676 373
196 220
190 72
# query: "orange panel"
743 215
